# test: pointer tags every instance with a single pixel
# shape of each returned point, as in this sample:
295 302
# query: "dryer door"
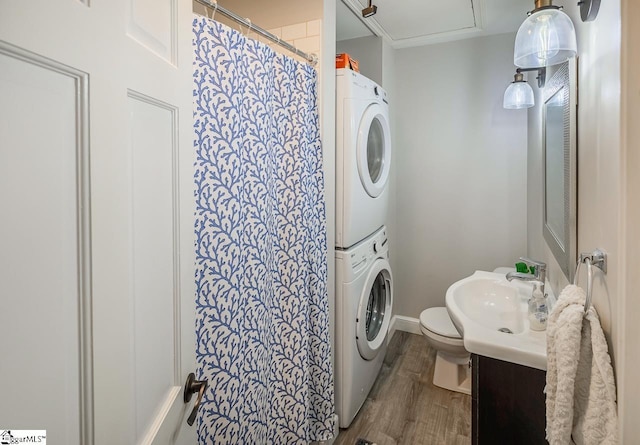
374 310
374 149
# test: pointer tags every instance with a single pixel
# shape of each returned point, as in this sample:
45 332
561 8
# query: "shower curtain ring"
248 27
215 8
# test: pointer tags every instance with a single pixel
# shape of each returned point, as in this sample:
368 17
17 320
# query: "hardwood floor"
404 407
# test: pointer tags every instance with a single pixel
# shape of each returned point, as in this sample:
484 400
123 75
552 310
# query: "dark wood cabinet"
508 403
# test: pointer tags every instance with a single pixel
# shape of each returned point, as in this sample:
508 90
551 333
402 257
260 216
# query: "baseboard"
406 324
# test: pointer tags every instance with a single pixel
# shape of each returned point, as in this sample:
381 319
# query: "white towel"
581 392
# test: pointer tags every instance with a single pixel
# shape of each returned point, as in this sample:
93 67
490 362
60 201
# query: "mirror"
559 165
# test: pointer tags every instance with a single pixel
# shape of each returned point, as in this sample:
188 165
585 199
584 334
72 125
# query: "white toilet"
452 360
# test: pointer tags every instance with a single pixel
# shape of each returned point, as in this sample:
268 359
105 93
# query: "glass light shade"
518 95
546 38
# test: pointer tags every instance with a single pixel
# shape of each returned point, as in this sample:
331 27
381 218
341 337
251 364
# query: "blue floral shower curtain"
261 269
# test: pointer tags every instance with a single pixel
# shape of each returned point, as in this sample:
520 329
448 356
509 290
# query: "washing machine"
364 300
363 157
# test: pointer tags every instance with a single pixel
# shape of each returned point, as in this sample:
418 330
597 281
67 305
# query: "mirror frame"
564 76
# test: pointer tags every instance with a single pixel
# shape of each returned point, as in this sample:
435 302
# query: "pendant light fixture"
547 37
519 94
370 10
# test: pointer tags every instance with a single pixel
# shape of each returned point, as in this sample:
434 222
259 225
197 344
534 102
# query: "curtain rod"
311 58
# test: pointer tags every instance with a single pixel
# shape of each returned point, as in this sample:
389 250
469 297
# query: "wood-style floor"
404 407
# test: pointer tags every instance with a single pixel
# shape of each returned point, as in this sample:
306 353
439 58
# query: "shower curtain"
261 260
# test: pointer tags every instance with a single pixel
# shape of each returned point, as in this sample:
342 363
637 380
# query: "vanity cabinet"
508 403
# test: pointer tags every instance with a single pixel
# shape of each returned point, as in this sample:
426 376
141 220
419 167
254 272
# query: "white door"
96 224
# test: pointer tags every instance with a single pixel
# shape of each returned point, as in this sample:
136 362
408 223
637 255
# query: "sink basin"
491 315
491 302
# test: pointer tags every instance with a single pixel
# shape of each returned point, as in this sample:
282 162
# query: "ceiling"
420 22
403 23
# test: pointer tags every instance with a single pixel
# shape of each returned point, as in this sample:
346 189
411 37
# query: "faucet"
539 275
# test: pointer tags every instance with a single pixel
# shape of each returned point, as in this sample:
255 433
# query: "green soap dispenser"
538 309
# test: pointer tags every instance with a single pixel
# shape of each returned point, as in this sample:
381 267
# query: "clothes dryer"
364 301
363 157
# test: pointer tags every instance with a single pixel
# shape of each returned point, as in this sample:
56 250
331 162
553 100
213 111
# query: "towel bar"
596 258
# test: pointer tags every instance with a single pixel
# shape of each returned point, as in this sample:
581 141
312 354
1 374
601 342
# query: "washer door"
374 150
374 310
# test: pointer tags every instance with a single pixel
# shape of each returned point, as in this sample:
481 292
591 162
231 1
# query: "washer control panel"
365 252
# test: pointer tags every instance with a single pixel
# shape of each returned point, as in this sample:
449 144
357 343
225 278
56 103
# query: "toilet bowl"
452 359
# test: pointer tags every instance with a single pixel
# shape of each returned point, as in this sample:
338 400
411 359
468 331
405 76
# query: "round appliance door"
374 310
374 150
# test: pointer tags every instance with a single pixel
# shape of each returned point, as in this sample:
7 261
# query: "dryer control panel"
365 252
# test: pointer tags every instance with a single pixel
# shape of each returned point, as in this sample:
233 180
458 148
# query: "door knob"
191 387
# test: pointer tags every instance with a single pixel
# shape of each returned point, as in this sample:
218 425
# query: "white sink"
485 303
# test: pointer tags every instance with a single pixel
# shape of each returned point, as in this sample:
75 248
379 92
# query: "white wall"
461 167
306 36
599 152
368 52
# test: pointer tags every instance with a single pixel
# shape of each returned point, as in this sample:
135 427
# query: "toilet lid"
436 319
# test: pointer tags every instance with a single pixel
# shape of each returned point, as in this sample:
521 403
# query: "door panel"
98 151
154 254
154 25
42 186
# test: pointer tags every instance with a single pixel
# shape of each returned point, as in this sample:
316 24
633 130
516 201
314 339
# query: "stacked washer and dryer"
364 284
